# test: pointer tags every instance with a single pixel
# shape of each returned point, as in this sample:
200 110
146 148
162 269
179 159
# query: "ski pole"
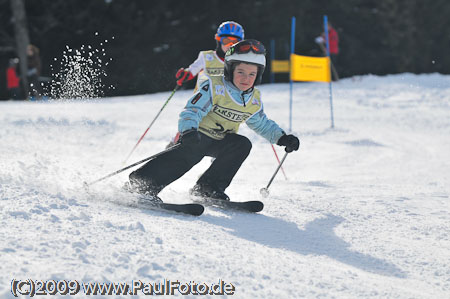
265 191
132 165
151 124
276 156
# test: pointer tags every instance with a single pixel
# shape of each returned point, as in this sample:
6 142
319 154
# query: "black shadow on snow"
318 238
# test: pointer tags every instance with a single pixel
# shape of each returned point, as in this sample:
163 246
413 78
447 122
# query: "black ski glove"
290 142
190 137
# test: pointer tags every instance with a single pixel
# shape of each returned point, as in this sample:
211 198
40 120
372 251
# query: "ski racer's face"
226 42
244 76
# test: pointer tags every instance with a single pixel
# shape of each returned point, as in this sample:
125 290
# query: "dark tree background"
149 40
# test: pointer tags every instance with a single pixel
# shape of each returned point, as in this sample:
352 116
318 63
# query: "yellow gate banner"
306 68
280 66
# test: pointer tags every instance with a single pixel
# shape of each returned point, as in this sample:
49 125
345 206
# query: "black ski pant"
229 154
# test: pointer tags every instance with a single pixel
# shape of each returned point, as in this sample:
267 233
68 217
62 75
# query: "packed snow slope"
364 213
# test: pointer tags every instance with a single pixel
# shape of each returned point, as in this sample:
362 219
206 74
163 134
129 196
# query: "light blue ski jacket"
193 114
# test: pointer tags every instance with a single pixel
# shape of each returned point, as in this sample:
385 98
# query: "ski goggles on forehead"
227 40
247 46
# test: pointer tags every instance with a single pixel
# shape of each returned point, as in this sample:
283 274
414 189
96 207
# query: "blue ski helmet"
230 28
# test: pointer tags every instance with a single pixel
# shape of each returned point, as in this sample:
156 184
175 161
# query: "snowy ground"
365 212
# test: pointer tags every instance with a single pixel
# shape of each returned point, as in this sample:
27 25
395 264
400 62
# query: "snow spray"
80 73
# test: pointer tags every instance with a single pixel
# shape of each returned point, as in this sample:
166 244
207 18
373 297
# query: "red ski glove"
183 76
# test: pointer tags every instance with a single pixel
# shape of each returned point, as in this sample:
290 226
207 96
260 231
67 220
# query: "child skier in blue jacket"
209 125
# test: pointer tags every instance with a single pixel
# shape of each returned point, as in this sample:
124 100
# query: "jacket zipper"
243 100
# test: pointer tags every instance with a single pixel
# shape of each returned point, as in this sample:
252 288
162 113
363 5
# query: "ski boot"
207 192
145 194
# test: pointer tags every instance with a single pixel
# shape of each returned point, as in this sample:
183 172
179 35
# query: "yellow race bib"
213 67
227 114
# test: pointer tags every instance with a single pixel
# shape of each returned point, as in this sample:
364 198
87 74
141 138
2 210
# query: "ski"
252 206
155 203
193 209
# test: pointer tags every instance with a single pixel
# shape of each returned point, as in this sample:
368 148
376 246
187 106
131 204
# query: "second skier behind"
211 62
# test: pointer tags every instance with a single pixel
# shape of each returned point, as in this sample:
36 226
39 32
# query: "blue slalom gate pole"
291 83
272 58
325 24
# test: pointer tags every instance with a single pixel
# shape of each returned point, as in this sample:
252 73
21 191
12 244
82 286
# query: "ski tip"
197 209
257 206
